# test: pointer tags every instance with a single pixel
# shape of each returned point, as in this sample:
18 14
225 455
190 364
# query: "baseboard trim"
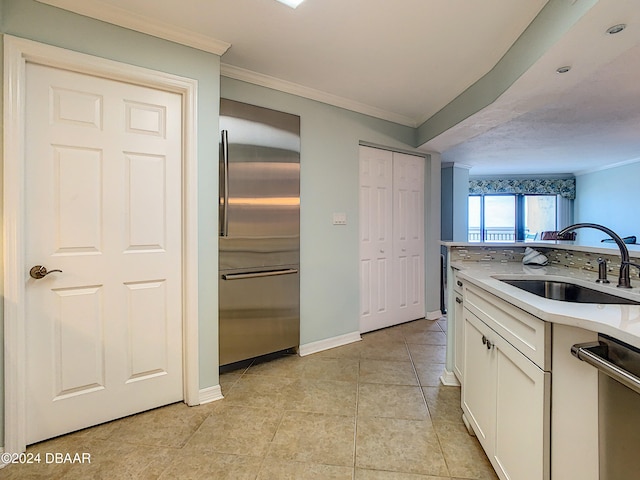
210 394
435 315
449 379
327 343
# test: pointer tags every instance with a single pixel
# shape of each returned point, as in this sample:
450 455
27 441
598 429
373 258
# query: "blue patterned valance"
564 187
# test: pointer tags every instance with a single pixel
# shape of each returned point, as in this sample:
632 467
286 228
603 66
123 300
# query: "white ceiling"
581 121
403 60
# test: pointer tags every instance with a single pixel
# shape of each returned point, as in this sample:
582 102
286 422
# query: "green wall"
329 176
608 197
35 21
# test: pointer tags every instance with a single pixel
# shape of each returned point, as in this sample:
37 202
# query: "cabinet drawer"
525 332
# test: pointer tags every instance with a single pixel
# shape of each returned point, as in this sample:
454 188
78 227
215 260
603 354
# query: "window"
510 217
539 215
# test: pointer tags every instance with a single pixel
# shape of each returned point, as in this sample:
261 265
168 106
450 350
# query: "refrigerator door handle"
224 221
270 273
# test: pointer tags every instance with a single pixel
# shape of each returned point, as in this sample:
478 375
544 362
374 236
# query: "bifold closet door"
408 236
391 238
376 238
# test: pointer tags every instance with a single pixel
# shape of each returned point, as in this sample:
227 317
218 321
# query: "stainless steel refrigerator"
259 282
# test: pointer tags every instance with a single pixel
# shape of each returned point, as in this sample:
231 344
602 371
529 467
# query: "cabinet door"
522 404
479 386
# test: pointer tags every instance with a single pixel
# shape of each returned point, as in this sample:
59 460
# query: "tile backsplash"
558 257
486 254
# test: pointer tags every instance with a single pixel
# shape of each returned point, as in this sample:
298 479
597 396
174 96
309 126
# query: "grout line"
273 437
415 372
240 375
426 404
355 426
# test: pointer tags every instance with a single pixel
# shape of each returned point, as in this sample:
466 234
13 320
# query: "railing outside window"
510 217
492 235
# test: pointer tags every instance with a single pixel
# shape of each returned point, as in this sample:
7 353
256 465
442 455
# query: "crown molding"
140 23
607 167
255 78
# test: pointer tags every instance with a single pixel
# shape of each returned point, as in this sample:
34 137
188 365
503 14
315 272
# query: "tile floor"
372 410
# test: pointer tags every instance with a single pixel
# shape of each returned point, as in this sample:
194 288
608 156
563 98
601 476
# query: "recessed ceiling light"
616 29
291 3
564 69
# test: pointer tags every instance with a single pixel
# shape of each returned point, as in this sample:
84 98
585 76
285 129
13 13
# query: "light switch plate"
339 218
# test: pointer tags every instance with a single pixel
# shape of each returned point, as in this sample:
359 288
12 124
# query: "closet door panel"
391 238
376 238
408 235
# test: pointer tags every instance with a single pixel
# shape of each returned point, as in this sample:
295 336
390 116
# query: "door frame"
17 52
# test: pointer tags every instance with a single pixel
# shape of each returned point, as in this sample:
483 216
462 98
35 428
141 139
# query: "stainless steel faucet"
623 280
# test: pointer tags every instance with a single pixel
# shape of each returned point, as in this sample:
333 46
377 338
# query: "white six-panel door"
391 238
408 234
103 205
376 238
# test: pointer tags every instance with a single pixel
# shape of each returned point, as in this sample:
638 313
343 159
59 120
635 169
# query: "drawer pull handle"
458 300
487 342
459 283
268 273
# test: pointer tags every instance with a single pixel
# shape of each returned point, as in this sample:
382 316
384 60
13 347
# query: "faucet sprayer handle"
602 271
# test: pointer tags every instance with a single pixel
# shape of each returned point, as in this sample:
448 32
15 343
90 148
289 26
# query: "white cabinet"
458 325
391 238
479 385
574 413
505 394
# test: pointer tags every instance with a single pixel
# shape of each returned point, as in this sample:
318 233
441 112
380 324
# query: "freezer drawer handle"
585 352
270 273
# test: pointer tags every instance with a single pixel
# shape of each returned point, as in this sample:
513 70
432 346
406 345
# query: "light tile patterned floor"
372 410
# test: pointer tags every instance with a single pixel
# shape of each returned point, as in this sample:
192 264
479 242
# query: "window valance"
565 187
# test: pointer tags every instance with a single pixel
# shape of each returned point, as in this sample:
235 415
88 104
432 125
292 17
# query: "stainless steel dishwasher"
618 367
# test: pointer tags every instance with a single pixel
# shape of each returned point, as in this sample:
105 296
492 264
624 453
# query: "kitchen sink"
567 292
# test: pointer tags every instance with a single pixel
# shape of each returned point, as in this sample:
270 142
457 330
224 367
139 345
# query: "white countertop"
619 321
